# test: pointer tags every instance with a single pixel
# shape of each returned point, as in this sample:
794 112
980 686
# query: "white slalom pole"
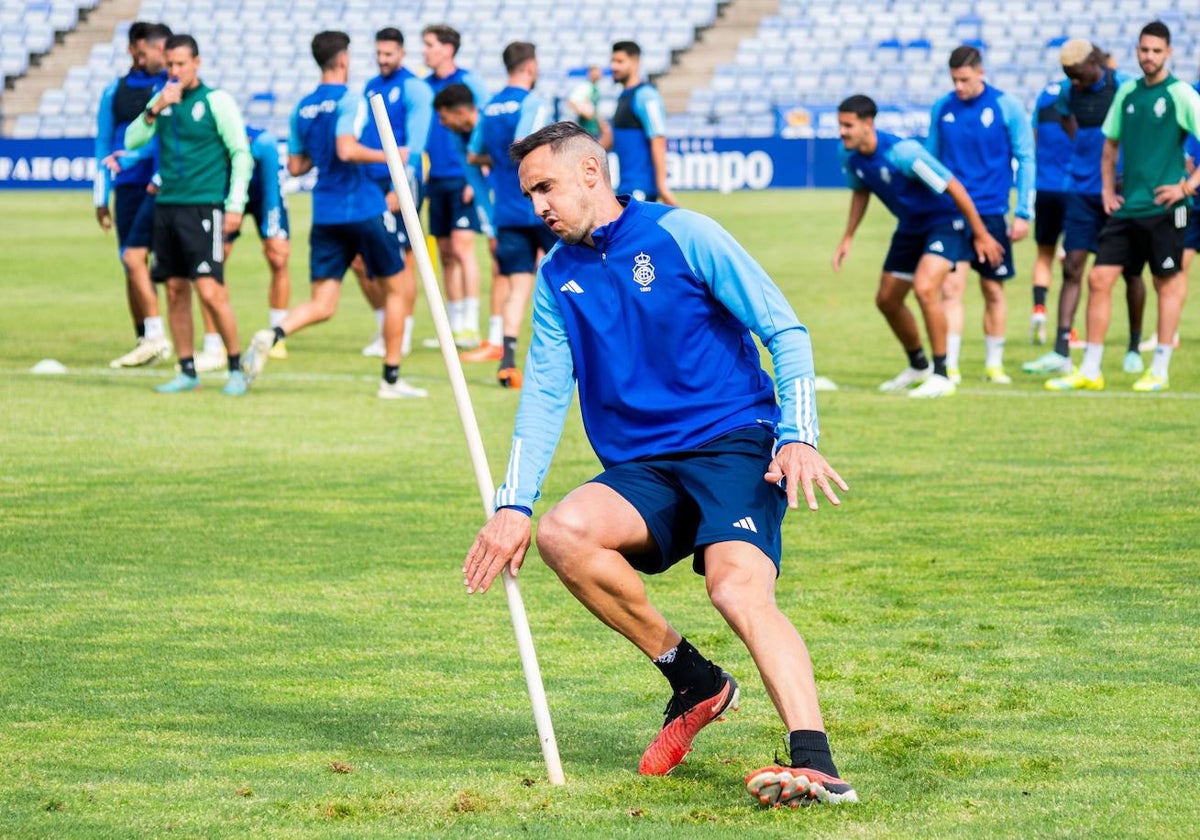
466 414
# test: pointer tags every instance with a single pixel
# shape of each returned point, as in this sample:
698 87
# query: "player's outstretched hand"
800 465
501 542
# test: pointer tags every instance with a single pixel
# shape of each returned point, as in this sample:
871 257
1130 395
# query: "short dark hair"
630 48
445 33
327 46
965 56
453 96
517 53
157 32
556 135
177 41
390 33
137 31
860 105
1156 29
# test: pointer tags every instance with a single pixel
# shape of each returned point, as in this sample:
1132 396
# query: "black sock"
687 671
1135 338
188 366
1039 295
917 359
280 335
140 329
510 352
810 748
1062 341
939 366
391 373
235 362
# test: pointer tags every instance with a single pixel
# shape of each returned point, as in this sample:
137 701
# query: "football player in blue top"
935 218
978 131
349 214
639 129
648 311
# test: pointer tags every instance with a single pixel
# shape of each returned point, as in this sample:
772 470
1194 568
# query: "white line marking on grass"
1124 394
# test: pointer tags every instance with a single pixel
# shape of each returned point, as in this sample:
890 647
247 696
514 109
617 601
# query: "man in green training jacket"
205 166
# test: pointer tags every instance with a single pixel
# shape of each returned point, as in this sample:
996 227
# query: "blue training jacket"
654 326
1053 144
908 180
445 156
409 103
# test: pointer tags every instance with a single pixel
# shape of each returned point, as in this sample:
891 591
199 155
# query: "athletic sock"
495 334
1039 296
1062 342
687 671
153 327
1135 338
939 366
213 344
454 311
188 366
510 352
235 362
280 335
406 341
470 314
391 374
276 317
1093 354
810 748
379 314
953 349
1161 363
917 359
993 351
140 330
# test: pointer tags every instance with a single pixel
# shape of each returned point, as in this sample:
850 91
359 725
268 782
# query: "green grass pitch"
224 618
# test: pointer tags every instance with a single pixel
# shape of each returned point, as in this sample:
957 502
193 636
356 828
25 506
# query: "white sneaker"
255 357
147 351
375 348
211 361
400 390
907 378
1133 362
1151 343
934 386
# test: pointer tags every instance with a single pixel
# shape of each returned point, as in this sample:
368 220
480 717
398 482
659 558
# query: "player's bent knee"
561 531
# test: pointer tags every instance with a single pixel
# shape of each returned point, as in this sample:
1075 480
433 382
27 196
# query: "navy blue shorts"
133 213
447 211
1191 236
402 236
517 247
946 239
997 226
333 247
694 498
1049 210
1085 218
272 225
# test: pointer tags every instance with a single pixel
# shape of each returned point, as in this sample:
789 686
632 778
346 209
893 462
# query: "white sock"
454 309
277 316
1161 363
154 327
953 349
213 344
1089 368
406 341
379 319
495 330
471 314
994 348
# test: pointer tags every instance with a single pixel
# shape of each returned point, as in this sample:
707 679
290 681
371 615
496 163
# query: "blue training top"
512 114
264 196
1053 144
917 197
409 104
445 157
978 140
639 117
121 103
343 192
1089 106
653 324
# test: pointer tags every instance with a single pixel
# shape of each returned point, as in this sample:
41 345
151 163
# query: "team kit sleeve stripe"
931 172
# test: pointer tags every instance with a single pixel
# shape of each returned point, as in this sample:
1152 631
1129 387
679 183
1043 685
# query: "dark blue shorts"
945 239
517 247
402 236
447 211
997 226
333 247
1049 210
272 225
133 213
1191 236
694 498
1085 218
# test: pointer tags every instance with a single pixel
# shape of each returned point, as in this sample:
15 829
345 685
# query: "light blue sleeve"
475 144
475 177
351 115
418 103
852 180
745 289
102 182
479 88
295 139
1020 134
265 151
1063 103
915 161
545 397
648 105
535 113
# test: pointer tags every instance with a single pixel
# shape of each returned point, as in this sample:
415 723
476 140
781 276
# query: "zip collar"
604 236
